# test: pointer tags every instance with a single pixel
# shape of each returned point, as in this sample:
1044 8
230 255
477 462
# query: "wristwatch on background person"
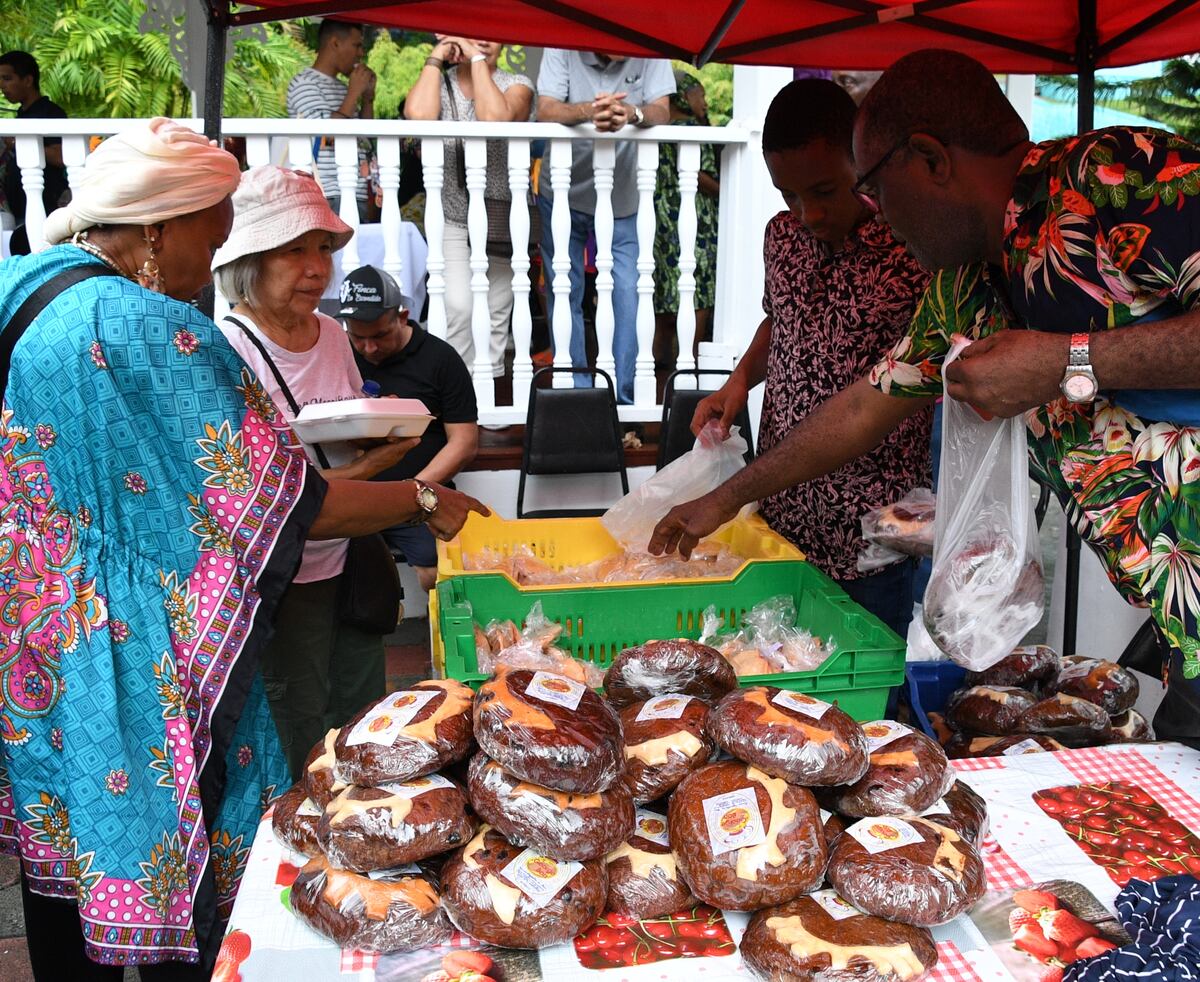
1079 381
427 500
639 117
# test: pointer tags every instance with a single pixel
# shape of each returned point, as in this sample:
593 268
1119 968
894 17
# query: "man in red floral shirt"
839 293
1092 245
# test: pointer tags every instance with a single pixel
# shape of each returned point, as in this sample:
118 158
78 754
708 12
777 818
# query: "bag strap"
34 304
283 386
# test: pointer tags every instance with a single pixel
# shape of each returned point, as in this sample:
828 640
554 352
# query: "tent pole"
1085 59
217 12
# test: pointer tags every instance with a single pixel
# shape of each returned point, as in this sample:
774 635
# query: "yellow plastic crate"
561 542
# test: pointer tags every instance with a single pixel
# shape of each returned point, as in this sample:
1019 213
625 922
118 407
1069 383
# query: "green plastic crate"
599 621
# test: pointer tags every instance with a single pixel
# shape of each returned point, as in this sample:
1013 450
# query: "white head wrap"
147 174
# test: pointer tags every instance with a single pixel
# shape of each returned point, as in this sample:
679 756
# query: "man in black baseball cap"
406 361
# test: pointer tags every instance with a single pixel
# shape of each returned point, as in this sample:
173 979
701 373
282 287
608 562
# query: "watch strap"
1080 351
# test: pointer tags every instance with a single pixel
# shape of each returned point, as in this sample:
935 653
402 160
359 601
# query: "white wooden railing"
276 141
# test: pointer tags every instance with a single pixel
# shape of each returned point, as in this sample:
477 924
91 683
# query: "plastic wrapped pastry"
321 777
550 730
502 647
377 828
905 526
823 938
556 823
657 667
961 810
665 741
1028 667
643 880
744 839
990 709
1131 727
294 821
393 910
966 745
909 870
407 734
908 772
790 735
1069 719
1111 687
516 898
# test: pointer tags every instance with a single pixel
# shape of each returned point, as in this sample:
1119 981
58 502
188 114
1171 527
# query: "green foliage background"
96 63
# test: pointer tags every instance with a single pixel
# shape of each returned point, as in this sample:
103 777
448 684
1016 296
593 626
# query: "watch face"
427 499
1079 388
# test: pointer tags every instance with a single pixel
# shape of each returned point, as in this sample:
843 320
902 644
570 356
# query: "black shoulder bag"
370 594
34 304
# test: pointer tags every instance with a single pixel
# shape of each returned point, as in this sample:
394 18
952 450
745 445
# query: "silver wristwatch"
427 500
639 117
1079 381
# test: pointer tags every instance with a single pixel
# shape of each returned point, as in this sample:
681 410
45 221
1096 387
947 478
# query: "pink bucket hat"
273 205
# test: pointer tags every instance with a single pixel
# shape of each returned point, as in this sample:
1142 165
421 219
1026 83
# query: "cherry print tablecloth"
1084 818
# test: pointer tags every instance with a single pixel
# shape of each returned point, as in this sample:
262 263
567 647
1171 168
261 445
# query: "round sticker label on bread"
881 732
557 689
881 834
1024 747
651 826
734 821
670 706
800 703
832 903
382 725
416 786
308 809
539 877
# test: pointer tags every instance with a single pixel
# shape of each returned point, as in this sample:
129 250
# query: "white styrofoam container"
361 419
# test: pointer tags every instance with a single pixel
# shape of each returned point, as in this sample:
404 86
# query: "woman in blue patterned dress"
153 507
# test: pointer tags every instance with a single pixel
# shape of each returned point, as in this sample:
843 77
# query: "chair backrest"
679 406
572 431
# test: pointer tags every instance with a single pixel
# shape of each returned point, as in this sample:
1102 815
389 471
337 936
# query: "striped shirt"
314 95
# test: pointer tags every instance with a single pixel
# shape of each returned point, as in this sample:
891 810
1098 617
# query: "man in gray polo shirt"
586 87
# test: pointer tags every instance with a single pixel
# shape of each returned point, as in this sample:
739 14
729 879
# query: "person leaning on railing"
461 81
156 509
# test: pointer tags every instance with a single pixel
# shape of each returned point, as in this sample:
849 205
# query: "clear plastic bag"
502 645
905 526
768 640
986 589
709 464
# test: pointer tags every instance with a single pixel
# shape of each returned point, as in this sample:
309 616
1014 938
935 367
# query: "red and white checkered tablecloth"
1003 873
354 960
952 966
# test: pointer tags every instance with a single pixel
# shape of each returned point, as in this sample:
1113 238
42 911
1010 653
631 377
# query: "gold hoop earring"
149 276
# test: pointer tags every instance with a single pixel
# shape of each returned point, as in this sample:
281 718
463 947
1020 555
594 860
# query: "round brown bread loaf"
550 730
501 894
397 911
407 734
294 820
1069 719
1029 667
907 773
992 709
968 745
365 829
321 778
1131 727
558 824
744 839
922 873
643 880
790 735
962 810
655 667
822 938
832 824
1111 687
665 741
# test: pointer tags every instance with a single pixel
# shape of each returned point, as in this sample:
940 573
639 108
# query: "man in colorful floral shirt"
1091 243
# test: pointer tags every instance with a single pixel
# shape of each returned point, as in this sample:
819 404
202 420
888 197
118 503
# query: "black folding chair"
571 431
675 436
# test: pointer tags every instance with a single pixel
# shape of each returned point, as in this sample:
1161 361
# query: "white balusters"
31 158
74 151
560 183
300 153
258 151
518 224
685 320
644 393
433 165
604 158
475 158
389 217
345 155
